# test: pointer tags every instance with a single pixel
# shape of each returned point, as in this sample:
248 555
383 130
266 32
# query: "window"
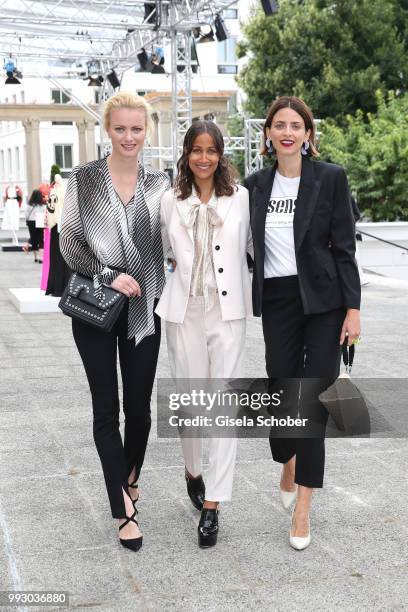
59 97
227 56
63 158
232 69
22 96
2 168
230 13
97 96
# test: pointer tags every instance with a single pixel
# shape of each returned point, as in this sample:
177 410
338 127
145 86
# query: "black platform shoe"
134 543
196 490
208 528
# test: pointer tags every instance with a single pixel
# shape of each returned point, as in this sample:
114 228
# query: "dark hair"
225 174
36 198
302 109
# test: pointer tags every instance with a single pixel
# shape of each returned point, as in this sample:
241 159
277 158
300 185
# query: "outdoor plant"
373 148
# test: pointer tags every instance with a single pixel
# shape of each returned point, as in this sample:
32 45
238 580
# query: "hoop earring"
269 146
305 147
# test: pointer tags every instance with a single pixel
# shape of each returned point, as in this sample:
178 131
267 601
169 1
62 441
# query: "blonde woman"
111 233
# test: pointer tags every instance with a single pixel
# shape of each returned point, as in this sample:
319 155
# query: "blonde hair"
127 99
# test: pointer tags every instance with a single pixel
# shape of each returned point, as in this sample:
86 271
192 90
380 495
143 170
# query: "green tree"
374 151
236 127
55 169
333 54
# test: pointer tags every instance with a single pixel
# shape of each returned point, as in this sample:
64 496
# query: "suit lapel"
260 199
309 189
223 207
182 208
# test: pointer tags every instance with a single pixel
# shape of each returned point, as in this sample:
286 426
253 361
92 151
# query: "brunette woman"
206 300
306 285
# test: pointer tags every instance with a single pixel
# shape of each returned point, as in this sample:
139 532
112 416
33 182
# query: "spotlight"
95 81
113 79
194 58
157 56
148 10
11 72
11 79
152 13
144 61
221 31
270 7
158 68
207 35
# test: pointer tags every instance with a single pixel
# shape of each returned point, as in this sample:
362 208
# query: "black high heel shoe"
208 528
134 543
196 490
134 485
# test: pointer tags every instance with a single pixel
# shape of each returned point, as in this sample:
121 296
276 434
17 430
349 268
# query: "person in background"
35 210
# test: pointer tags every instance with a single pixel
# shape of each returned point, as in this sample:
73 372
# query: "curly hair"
225 175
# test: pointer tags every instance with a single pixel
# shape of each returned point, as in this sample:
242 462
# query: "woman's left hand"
351 326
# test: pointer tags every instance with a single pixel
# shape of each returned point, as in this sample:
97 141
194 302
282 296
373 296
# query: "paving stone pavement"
55 527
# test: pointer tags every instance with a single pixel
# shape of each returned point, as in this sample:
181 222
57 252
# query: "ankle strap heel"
134 543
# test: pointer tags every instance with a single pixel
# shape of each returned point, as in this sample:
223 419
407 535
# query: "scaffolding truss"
107 35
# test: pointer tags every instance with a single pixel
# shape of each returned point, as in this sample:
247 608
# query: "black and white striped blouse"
95 239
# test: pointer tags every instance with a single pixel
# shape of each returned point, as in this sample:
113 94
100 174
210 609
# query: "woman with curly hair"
205 228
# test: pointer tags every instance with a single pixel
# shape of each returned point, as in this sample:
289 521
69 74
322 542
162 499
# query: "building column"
33 154
86 140
82 141
90 140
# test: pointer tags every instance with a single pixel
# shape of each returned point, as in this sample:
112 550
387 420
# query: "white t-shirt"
279 242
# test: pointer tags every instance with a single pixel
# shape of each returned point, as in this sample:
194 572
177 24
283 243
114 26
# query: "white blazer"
231 242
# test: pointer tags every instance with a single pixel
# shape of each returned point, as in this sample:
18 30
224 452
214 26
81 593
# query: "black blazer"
324 235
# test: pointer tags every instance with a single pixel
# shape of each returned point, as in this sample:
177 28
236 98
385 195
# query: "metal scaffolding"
109 34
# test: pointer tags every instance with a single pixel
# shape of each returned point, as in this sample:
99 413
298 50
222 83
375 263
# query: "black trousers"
59 273
36 236
303 346
98 352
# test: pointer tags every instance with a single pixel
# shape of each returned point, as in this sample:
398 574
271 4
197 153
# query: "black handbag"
78 301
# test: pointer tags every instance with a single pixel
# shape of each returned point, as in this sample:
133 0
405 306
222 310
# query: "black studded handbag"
78 301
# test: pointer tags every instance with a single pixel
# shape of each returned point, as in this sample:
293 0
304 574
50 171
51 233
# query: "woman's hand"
127 285
351 326
171 262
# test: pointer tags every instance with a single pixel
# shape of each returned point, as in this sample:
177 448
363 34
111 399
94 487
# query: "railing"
394 244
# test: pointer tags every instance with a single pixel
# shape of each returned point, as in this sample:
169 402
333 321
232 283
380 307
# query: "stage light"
95 81
270 7
11 72
144 61
221 31
152 13
207 35
158 68
113 79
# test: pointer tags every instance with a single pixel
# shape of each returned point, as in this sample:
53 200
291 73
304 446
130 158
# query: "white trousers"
205 346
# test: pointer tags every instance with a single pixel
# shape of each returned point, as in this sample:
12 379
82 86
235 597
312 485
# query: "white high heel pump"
297 542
